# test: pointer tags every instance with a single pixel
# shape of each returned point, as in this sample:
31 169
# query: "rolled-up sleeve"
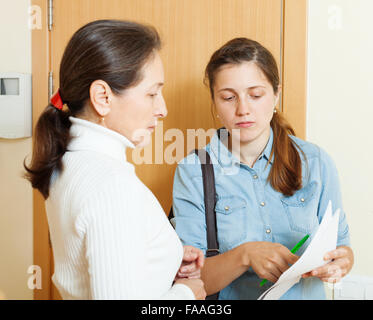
331 191
188 203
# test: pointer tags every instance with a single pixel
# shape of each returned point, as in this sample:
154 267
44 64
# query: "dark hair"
286 172
110 50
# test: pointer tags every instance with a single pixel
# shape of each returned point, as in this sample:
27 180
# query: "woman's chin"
143 142
141 137
245 136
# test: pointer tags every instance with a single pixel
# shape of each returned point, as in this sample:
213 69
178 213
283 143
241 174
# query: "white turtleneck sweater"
110 237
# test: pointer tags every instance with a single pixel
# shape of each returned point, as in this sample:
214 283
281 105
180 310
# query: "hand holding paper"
324 241
294 250
334 271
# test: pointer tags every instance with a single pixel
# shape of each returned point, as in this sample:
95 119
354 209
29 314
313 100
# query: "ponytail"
286 171
51 138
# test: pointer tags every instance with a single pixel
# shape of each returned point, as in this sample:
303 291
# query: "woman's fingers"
335 254
193 260
333 270
271 271
188 268
189 255
334 273
271 276
291 258
283 265
196 274
336 269
306 275
282 261
194 254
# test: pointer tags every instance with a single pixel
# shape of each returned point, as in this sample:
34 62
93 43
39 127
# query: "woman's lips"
152 128
246 124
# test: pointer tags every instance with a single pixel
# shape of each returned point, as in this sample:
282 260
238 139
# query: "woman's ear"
101 97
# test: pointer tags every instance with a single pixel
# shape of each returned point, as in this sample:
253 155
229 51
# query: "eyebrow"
159 84
231 89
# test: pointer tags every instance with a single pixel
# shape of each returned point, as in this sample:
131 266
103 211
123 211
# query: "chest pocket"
231 219
301 209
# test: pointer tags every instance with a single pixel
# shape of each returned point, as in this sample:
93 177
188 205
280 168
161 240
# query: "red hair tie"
56 100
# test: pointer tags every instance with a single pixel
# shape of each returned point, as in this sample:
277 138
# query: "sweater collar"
87 135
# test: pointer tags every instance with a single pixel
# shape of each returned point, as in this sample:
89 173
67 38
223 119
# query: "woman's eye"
256 97
228 98
153 94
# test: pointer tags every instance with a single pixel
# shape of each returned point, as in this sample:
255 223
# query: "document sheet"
325 240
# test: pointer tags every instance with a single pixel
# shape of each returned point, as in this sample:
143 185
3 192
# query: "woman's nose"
243 107
161 110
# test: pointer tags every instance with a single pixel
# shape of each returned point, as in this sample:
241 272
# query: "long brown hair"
110 50
286 172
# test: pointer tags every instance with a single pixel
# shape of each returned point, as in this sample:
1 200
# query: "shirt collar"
87 135
225 158
221 153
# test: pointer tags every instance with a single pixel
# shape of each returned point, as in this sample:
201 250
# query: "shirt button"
226 208
302 199
262 204
255 177
268 231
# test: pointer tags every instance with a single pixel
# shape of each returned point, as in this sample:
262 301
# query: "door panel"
191 31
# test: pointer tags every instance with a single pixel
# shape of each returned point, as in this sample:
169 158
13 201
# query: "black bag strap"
209 192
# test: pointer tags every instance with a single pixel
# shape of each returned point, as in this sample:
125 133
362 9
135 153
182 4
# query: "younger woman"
272 188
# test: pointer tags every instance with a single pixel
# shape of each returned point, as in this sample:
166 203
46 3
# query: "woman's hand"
268 260
341 264
196 285
192 263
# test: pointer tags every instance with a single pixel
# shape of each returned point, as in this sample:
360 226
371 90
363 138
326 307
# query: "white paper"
325 240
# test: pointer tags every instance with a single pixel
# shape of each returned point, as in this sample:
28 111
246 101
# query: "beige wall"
340 108
15 193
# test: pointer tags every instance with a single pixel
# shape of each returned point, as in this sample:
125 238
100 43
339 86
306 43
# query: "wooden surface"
191 31
40 68
295 64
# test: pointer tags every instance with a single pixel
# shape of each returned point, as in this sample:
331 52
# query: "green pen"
294 250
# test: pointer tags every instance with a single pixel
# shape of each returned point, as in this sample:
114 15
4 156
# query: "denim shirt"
249 209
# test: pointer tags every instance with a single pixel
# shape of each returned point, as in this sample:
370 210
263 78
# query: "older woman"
110 237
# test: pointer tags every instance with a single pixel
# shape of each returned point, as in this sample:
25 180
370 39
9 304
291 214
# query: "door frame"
294 77
40 69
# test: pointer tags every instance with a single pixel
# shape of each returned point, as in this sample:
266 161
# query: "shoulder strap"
209 191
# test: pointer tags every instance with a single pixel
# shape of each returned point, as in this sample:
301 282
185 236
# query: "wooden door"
191 31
